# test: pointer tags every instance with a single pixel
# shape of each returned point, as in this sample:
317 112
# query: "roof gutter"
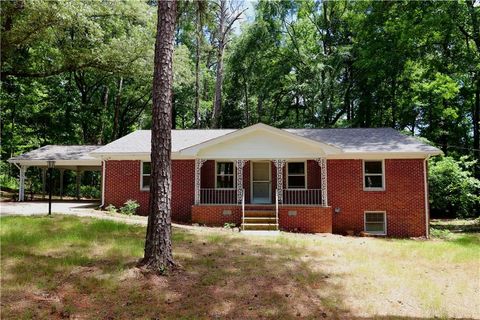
103 184
427 213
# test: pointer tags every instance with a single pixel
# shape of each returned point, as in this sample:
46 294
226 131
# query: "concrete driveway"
28 208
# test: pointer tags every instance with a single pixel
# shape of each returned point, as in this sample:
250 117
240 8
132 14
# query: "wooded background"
80 72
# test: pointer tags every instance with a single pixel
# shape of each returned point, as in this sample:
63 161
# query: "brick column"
279 163
240 189
322 162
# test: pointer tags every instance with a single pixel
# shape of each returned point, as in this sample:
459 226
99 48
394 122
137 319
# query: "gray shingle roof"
139 141
366 139
350 140
58 152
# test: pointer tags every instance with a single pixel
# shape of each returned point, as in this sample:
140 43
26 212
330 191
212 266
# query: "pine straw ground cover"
67 267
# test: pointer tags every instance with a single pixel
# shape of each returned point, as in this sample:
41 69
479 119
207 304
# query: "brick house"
264 178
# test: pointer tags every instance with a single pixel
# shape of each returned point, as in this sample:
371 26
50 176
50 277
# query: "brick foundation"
305 219
217 215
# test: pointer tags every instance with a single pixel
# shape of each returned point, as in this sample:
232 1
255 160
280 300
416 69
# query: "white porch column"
78 180
279 164
61 183
322 162
198 165
240 164
44 181
21 187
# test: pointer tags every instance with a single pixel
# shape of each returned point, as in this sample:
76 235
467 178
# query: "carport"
76 158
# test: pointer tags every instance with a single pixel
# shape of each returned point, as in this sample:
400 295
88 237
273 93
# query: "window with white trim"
373 175
296 175
225 175
376 222
145 175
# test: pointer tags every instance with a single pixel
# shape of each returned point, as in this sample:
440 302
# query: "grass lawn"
65 267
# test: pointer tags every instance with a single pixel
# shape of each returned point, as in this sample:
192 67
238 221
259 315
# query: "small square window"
375 223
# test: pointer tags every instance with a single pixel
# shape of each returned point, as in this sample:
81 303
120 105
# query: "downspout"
103 184
425 182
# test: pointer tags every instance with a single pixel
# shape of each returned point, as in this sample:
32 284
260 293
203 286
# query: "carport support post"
44 181
61 183
78 177
21 187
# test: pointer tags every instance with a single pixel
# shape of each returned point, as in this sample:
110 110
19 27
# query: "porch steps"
260 220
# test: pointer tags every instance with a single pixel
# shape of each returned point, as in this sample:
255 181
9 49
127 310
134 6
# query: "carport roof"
63 155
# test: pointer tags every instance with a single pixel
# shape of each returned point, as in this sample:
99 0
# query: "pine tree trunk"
158 244
217 104
116 114
197 65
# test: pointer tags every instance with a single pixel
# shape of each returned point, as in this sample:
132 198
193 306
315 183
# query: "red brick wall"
403 198
214 215
305 219
122 182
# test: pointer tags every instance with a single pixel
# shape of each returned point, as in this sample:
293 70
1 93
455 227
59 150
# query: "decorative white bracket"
198 166
240 164
322 162
279 164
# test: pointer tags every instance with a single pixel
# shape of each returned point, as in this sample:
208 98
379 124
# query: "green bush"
453 189
7 181
111 208
130 207
441 234
229 225
90 192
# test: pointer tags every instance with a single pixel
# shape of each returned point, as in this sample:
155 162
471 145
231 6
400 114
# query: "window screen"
375 222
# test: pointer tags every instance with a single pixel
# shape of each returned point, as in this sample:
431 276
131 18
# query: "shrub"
90 192
441 234
453 189
111 208
130 207
229 225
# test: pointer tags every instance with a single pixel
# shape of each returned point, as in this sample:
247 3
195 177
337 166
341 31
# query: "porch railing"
218 196
302 196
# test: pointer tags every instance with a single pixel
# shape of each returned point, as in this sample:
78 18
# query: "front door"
261 182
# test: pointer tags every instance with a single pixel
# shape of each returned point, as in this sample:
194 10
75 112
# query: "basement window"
373 175
296 175
225 175
376 223
145 175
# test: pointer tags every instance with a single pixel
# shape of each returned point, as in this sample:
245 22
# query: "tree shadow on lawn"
70 267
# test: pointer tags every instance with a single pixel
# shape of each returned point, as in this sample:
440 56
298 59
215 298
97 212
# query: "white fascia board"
58 163
143 156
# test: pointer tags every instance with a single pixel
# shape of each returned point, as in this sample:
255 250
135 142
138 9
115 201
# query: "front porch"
260 194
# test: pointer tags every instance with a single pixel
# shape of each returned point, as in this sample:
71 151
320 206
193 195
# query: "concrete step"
260 220
261 232
259 213
260 226
254 207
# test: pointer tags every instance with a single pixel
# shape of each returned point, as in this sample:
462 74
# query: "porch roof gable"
260 141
